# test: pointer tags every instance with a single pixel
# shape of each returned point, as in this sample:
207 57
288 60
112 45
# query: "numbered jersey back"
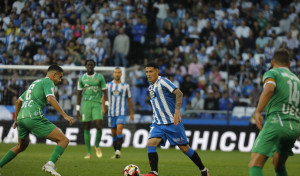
34 99
285 99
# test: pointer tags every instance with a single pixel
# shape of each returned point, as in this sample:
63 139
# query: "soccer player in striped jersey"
90 88
30 119
166 102
118 97
280 98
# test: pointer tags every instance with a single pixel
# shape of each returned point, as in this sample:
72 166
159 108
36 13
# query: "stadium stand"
217 38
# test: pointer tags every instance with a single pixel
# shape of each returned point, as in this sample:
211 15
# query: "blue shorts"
114 121
174 133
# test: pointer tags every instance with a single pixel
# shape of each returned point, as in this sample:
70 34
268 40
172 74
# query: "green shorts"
40 127
90 111
278 137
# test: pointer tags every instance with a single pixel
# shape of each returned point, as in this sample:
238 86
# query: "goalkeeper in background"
119 97
90 88
30 118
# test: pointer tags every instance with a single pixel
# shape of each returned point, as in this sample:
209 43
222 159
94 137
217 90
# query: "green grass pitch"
171 162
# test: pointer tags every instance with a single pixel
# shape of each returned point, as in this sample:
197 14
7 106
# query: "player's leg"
193 155
257 163
86 118
87 139
13 152
98 124
157 137
114 135
62 142
152 154
97 116
279 164
120 121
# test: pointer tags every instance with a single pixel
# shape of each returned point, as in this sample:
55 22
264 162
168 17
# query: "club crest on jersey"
152 94
96 80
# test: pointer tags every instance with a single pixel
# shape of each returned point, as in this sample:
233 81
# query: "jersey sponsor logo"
116 92
96 80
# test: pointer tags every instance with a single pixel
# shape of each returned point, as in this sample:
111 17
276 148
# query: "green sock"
256 171
87 140
281 172
57 152
7 158
98 137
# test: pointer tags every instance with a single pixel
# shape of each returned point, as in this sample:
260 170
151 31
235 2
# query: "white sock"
50 163
204 170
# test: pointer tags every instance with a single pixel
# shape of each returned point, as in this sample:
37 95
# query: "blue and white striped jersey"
163 101
118 95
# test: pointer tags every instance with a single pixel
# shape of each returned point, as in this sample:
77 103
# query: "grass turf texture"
171 162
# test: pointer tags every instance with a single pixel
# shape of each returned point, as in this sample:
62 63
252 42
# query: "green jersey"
34 99
285 99
92 86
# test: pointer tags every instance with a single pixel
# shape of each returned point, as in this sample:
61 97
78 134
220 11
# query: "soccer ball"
131 170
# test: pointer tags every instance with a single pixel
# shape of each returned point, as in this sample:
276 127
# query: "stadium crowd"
215 51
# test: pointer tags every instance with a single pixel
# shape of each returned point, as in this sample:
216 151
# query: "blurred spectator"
247 88
195 68
11 91
211 103
284 23
225 103
40 57
197 102
254 95
65 93
187 87
121 48
262 40
162 14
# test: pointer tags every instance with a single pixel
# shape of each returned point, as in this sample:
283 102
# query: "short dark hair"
55 67
90 60
282 57
152 64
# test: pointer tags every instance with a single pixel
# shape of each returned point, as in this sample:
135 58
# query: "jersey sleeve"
23 96
49 88
79 84
270 74
168 84
128 90
102 83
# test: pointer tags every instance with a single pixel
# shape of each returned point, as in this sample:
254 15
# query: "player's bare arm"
79 94
17 110
105 100
56 106
130 109
179 96
263 101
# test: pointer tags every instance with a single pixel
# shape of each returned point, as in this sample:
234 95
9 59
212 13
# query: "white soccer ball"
131 170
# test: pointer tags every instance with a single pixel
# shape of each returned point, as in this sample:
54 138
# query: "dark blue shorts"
114 121
174 133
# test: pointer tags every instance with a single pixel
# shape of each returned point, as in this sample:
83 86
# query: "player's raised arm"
179 96
265 97
51 99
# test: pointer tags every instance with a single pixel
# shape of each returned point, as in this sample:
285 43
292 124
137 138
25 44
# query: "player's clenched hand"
15 124
70 119
78 115
258 120
177 118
